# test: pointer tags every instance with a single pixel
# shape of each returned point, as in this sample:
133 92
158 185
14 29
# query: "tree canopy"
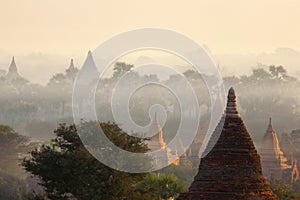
67 169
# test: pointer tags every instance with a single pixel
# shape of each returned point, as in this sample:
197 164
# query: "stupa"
89 72
13 71
274 164
157 142
231 169
72 70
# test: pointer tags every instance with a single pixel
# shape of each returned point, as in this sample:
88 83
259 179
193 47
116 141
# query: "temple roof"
270 140
157 140
89 71
270 149
71 71
12 70
71 64
232 168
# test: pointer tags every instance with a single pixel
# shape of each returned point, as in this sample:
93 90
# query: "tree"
260 74
192 74
277 72
160 187
66 169
121 68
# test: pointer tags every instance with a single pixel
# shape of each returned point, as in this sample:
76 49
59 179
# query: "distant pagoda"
13 71
231 169
88 73
274 164
72 71
157 142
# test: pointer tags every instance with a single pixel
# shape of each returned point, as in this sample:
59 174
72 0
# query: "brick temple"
232 168
274 164
157 142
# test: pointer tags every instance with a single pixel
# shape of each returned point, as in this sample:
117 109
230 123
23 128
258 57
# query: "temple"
89 72
12 71
71 71
274 164
231 169
157 142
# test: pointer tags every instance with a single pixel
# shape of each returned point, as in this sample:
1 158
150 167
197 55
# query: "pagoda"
12 73
157 142
72 71
231 169
274 164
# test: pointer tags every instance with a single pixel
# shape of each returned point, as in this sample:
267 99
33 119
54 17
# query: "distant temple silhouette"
232 168
157 141
71 71
12 73
274 164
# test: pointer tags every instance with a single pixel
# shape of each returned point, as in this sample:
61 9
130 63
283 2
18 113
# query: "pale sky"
73 27
70 28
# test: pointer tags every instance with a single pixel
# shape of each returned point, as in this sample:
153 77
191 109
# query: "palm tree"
160 187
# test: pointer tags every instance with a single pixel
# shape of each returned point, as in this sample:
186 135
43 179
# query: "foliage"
284 191
160 187
184 174
66 168
277 72
121 68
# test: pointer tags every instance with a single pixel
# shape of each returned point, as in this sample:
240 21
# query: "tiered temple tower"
231 169
86 83
71 72
157 142
12 71
274 163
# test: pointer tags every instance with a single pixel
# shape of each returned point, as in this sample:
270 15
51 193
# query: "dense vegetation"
65 170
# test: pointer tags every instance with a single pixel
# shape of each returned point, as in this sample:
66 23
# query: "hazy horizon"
31 65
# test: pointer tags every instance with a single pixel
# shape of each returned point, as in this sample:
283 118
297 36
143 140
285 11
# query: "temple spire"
13 66
71 64
12 70
71 71
156 133
270 127
89 72
274 163
231 108
89 64
232 168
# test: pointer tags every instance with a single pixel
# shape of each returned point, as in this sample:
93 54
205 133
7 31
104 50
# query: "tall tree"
121 68
67 169
277 72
